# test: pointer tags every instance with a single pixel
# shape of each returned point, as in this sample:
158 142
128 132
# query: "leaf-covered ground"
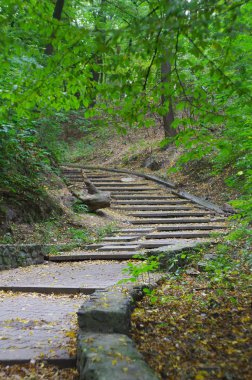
190 329
38 371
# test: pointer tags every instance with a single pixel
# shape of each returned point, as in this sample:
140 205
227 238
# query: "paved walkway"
38 320
76 276
37 326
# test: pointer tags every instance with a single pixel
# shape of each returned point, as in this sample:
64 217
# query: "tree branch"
180 82
152 60
176 70
228 79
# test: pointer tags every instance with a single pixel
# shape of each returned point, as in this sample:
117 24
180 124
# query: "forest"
149 86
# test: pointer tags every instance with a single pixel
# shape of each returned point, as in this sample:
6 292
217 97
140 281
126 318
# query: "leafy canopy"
106 58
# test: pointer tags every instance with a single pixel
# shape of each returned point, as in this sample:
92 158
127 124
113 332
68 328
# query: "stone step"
73 176
174 214
92 256
105 179
134 230
121 191
127 188
117 178
10 359
141 196
103 243
189 227
108 181
120 184
75 179
157 243
175 220
116 247
147 202
122 238
33 327
50 289
52 277
71 172
105 175
93 246
178 235
152 208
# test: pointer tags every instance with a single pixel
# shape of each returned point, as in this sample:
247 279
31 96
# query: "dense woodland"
121 64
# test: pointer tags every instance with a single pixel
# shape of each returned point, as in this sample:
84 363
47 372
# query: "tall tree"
166 100
56 15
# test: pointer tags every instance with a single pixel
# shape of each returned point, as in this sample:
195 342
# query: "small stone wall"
104 349
17 255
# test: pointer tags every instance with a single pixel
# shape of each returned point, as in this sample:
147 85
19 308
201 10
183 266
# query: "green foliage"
80 235
79 207
79 150
7 239
107 230
54 251
105 61
20 159
219 269
143 269
49 230
84 145
232 257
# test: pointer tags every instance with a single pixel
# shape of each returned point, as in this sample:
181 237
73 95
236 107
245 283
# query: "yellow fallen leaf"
70 334
201 375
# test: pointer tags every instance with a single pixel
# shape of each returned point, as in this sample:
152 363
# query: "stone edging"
167 254
180 193
16 255
21 255
105 351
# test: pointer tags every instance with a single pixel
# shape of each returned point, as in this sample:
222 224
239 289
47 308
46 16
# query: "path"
38 316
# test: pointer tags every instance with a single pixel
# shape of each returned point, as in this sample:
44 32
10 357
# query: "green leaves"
106 60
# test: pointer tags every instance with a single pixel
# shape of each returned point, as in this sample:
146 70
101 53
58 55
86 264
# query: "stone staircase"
39 302
155 216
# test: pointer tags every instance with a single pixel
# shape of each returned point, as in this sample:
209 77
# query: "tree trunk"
57 15
98 76
168 118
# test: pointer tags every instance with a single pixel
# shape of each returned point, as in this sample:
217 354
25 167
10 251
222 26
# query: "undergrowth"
196 323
